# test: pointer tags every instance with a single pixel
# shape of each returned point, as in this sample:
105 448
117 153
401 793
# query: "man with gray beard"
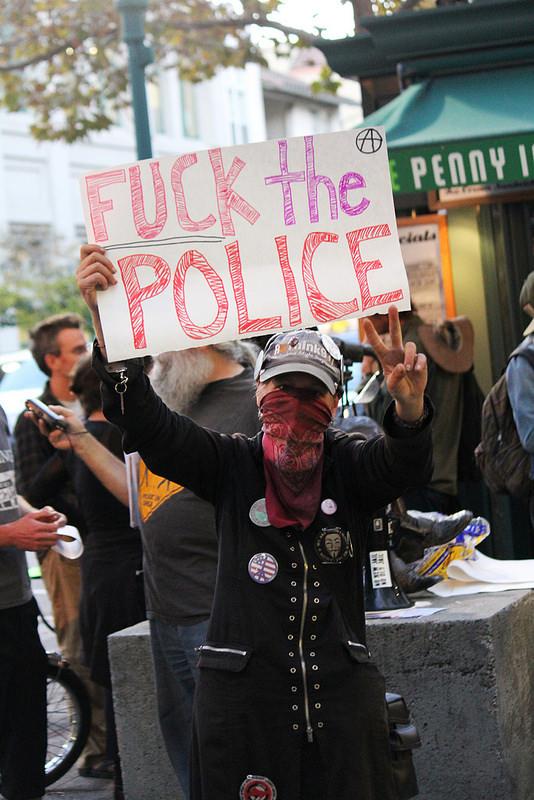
215 387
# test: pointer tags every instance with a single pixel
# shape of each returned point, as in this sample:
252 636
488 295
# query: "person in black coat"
288 703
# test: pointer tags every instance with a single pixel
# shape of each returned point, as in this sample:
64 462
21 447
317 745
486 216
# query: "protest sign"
240 241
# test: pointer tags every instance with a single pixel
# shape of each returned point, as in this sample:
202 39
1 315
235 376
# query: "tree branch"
243 22
199 25
15 66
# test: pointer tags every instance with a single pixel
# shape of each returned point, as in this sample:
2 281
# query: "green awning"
461 130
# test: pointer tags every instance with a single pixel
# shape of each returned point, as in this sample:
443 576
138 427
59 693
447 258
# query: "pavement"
71 786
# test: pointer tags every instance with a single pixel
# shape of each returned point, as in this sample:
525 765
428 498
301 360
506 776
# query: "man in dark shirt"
520 382
447 366
214 386
290 508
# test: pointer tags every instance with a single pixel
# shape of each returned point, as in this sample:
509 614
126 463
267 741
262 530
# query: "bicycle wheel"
69 718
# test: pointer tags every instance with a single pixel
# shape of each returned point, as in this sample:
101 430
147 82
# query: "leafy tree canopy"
65 60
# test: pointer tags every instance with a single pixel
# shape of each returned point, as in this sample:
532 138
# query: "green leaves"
326 82
37 277
64 59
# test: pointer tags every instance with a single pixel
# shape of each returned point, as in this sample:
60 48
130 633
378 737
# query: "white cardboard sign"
241 241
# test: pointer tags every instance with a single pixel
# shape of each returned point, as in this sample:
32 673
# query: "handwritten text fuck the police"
266 227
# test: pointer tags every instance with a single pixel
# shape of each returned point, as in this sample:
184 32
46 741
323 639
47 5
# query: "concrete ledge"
467 674
146 768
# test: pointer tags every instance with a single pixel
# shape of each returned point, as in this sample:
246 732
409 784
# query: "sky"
336 17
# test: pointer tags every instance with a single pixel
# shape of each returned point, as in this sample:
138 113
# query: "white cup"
71 546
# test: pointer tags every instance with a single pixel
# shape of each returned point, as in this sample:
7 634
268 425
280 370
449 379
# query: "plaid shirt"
32 451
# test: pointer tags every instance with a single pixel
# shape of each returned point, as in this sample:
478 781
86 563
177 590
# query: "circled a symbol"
369 141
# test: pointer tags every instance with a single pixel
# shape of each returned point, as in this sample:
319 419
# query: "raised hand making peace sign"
405 370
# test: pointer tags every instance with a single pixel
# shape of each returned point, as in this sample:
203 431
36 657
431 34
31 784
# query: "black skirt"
112 598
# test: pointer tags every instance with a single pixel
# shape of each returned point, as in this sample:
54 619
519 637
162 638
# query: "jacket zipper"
309 729
221 650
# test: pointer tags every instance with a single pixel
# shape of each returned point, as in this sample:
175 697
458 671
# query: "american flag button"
263 568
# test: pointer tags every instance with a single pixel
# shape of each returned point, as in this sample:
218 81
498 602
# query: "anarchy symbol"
369 141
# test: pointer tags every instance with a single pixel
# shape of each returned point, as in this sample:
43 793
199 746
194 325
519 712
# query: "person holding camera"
214 386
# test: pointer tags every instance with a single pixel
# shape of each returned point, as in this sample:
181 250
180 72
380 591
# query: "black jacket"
285 662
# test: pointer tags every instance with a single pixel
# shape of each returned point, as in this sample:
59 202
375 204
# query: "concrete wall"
467 674
146 768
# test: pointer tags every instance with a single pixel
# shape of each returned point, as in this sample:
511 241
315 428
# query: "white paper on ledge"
485 574
450 588
420 609
491 570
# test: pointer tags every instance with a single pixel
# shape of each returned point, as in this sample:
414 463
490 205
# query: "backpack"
504 464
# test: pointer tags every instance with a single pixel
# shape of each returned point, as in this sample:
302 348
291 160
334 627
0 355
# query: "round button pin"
263 568
329 506
258 513
330 346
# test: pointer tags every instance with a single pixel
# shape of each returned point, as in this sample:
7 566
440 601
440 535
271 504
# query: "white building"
293 108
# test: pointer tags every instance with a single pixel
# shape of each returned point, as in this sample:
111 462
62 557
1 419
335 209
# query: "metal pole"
139 56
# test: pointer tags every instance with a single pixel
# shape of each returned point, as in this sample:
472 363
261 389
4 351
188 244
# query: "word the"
349 182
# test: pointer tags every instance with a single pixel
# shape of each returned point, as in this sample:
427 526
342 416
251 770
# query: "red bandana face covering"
293 444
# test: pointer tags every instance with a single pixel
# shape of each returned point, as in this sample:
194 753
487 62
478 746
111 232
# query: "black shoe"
103 770
434 527
407 577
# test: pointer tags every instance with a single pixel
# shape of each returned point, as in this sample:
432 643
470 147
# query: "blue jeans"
173 651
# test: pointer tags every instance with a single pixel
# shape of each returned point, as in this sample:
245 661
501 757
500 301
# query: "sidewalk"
72 787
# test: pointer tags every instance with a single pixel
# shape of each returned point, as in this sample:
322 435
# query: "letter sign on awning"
466 163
